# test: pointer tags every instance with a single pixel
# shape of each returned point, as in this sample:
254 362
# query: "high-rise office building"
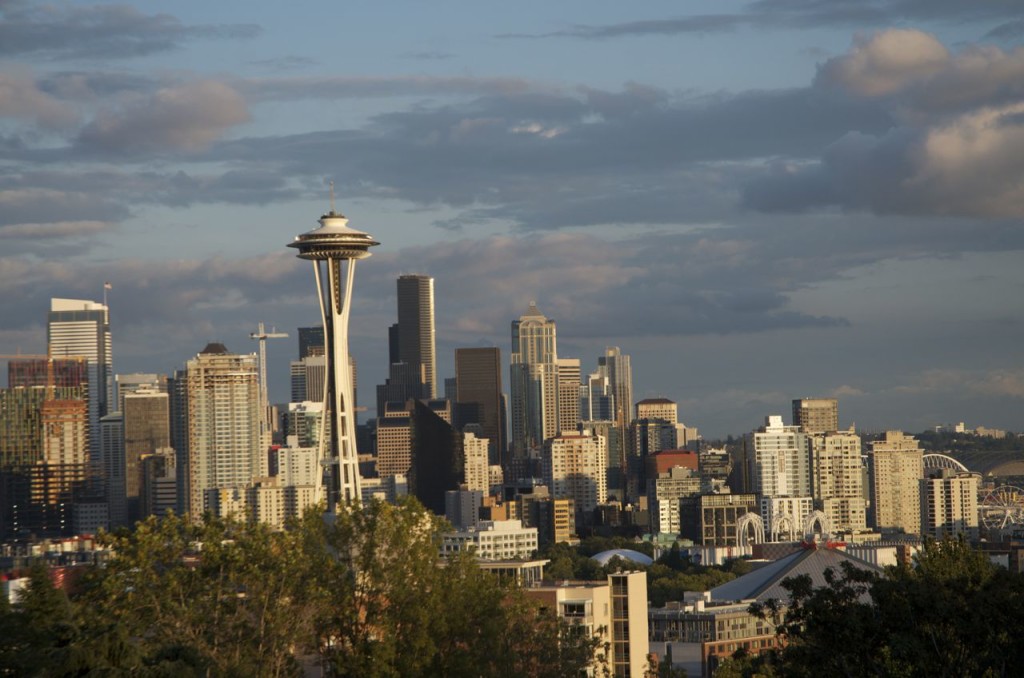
334 248
81 328
311 341
816 415
416 330
147 430
597 401
478 396
616 366
223 419
533 376
896 466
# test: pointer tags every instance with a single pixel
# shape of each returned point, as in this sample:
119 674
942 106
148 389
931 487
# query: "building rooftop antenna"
332 197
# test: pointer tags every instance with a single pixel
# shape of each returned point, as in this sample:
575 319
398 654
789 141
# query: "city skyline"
710 188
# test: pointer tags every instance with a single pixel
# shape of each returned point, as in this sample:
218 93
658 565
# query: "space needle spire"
334 249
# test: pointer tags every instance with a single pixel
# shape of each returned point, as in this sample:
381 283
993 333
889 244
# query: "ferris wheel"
1003 508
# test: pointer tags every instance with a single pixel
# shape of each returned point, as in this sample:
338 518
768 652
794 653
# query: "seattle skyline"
756 202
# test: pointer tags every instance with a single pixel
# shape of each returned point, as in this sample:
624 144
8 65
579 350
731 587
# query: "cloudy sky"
758 201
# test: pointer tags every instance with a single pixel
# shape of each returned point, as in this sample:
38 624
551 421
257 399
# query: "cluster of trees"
953 613
361 596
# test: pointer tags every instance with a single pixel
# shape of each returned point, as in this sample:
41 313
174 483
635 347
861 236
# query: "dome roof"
626 554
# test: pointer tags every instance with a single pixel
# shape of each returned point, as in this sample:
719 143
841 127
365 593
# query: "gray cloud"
342 87
184 118
789 14
21 98
99 31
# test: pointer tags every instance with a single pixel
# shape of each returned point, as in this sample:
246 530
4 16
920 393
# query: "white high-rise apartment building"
533 376
78 327
949 505
781 460
224 442
568 394
476 466
897 466
839 478
575 467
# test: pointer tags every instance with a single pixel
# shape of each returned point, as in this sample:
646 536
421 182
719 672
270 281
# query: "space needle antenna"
332 197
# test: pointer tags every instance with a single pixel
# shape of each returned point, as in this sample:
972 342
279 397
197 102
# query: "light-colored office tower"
416 330
658 408
838 473
475 464
334 249
159 492
781 464
533 375
949 504
147 428
478 388
112 451
575 467
568 394
784 517
78 327
664 493
224 442
597 400
135 382
896 465
816 415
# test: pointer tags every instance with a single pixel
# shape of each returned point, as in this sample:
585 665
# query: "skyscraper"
311 341
77 327
334 249
533 374
897 465
568 394
478 396
416 330
839 479
816 415
616 366
782 465
225 447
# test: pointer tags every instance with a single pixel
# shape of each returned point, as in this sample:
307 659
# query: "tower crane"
262 335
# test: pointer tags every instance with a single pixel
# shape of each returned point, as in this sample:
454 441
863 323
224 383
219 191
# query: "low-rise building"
493 540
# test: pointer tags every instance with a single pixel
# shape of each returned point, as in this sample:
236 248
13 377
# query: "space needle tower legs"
334 249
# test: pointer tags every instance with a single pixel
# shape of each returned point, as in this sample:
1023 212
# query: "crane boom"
262 335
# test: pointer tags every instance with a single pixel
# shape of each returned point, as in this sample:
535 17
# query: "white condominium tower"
897 466
334 249
533 374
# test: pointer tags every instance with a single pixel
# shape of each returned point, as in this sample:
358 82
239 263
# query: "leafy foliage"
953 613
361 596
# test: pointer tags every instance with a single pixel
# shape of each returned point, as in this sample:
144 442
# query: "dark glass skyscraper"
478 396
416 329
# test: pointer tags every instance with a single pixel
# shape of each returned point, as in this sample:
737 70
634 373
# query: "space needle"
334 249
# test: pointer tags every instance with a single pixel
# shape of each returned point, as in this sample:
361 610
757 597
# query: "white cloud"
886 62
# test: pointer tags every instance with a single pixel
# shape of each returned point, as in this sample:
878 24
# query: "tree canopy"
363 595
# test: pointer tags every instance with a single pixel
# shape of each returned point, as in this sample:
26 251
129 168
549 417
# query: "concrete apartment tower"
223 423
334 249
416 345
78 327
896 467
839 478
816 415
781 465
533 375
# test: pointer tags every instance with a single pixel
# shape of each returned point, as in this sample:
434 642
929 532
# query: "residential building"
896 466
575 467
663 494
816 415
949 505
712 519
781 464
492 540
838 473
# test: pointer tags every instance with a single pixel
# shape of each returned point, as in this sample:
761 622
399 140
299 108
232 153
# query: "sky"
757 201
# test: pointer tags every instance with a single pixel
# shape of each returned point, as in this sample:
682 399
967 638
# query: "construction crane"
262 335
